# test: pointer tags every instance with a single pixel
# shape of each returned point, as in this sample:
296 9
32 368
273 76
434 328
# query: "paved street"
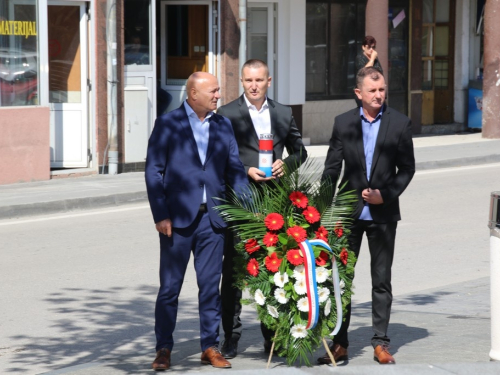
78 288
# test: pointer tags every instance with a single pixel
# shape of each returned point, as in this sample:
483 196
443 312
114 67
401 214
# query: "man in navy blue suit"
192 156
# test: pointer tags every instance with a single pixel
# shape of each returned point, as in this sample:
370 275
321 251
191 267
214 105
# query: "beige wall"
318 117
24 144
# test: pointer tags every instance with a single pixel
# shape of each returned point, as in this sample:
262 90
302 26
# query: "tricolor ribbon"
312 287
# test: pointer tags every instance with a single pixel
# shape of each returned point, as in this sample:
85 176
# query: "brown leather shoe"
162 360
212 356
339 354
382 355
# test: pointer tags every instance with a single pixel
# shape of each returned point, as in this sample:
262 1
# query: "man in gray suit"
252 114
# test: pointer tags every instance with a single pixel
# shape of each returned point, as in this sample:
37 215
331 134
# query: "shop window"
19 70
334 33
137 32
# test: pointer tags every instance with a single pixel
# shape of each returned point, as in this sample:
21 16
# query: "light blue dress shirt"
370 133
201 134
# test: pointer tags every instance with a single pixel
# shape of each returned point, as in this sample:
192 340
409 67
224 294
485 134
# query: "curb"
66 205
87 203
446 163
460 162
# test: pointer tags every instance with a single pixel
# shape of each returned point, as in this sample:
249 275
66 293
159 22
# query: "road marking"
456 169
67 216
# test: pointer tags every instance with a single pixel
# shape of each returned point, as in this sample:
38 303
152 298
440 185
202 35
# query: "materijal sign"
24 28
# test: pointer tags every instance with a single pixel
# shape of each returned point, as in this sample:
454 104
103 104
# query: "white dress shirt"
261 119
201 134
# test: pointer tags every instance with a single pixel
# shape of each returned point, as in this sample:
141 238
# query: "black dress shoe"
339 354
230 348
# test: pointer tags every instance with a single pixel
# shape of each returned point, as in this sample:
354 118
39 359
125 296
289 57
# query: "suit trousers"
207 245
381 238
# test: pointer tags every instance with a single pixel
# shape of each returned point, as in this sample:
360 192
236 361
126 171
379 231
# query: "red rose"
294 257
321 234
322 258
311 214
274 221
343 256
252 246
253 267
339 231
270 239
298 199
273 262
297 232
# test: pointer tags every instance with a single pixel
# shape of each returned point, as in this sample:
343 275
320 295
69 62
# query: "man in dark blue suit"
192 156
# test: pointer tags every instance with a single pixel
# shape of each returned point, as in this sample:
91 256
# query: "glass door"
260 37
67 32
187 45
437 61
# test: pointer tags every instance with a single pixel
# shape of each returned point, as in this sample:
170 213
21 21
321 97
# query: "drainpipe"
243 37
112 83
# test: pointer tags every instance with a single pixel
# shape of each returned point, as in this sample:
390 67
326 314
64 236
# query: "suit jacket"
393 163
283 127
175 175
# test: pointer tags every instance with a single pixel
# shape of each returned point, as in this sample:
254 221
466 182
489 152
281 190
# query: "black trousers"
231 296
381 238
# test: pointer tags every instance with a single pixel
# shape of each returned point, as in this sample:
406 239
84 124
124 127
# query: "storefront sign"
24 28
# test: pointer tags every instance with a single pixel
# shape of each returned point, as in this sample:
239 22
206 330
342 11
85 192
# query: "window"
137 32
436 45
18 53
334 33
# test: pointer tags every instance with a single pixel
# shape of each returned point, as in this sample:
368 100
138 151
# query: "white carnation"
321 274
272 311
280 296
300 287
299 331
299 273
328 307
303 304
323 294
342 287
280 279
259 297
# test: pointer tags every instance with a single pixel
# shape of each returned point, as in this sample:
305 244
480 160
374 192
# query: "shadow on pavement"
93 324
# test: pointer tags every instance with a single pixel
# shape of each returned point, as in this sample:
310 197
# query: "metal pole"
494 225
112 81
243 37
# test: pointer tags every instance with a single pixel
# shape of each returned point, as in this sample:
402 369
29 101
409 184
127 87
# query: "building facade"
83 81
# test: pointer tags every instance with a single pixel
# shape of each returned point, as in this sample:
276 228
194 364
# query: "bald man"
192 157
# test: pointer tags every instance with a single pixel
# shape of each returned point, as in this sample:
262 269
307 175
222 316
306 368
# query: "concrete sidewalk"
437 331
81 193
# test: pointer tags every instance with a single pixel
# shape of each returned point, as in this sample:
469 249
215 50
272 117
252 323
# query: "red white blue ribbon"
312 286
